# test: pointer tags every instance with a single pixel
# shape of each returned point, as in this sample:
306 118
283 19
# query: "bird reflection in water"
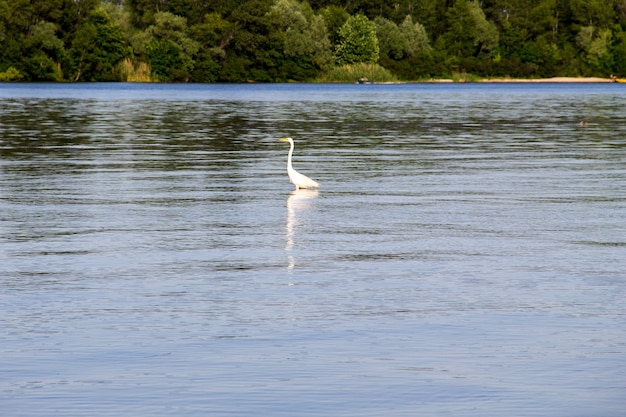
298 202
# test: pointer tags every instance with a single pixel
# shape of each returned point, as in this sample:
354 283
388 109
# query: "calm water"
465 256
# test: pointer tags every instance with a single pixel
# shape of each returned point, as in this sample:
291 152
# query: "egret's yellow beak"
284 139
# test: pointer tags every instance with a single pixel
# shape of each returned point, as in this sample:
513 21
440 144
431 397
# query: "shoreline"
530 80
432 80
550 80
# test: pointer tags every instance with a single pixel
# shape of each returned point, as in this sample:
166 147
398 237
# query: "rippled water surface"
465 255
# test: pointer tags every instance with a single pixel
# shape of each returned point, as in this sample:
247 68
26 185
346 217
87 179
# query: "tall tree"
31 40
304 35
415 36
214 34
252 54
486 37
168 49
594 44
469 32
358 41
427 12
97 48
461 32
618 51
391 41
44 51
598 13
143 11
334 17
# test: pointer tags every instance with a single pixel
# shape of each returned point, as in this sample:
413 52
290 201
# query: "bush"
130 71
11 74
354 72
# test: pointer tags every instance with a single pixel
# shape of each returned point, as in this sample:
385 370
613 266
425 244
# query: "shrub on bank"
355 72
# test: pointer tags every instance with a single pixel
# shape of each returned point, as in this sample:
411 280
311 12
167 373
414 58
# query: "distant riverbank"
504 80
550 80
528 80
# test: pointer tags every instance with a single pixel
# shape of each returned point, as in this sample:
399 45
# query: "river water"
464 256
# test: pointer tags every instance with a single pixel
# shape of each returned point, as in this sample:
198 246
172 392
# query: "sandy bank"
536 80
550 80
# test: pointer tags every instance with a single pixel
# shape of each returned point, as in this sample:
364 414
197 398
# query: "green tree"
168 48
164 58
97 48
391 41
143 11
73 14
486 35
44 50
334 17
459 38
358 41
618 51
31 41
469 32
303 33
214 31
253 53
371 8
42 35
214 34
543 20
543 54
594 43
598 13
120 16
428 12
415 36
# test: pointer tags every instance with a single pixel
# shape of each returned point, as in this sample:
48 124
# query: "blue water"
465 255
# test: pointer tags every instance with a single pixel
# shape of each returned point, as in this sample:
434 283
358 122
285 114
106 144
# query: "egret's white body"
297 179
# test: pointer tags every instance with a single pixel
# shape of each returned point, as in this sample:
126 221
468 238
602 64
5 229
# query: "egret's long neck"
289 167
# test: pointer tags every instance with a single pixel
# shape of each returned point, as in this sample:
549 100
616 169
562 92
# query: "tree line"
293 40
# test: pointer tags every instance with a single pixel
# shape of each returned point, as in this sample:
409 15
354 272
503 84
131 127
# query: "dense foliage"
282 40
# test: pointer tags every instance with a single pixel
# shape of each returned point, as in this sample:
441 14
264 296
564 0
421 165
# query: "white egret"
297 179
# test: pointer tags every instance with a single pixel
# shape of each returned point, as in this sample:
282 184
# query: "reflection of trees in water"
145 133
43 127
175 133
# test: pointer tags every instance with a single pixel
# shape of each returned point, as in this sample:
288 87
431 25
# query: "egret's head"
286 139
